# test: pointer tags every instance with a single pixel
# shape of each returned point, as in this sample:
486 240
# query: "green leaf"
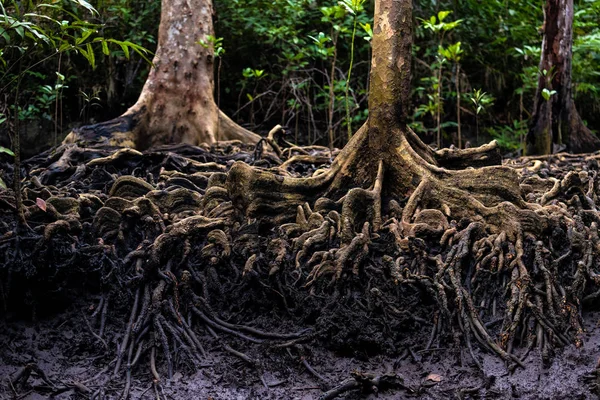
126 46
547 94
86 5
5 35
5 150
442 15
368 30
105 48
91 54
86 33
125 49
2 185
347 4
64 47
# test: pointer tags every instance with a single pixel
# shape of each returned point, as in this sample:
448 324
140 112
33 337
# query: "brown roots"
139 128
192 245
502 271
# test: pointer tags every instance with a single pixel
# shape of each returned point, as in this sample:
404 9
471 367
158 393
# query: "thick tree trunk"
556 120
176 104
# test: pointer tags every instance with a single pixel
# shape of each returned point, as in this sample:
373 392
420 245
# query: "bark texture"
176 104
556 120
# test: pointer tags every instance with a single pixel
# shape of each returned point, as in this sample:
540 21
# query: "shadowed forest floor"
69 281
66 351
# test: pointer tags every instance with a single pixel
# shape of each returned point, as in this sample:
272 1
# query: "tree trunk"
556 120
176 104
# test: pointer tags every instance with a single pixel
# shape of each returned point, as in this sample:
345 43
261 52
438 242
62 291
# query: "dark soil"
67 353
68 282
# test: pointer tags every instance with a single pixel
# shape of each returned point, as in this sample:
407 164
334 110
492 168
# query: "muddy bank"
65 350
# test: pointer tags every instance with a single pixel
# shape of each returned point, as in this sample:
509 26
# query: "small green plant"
547 93
528 78
509 137
332 16
454 53
249 75
89 101
368 31
480 100
218 51
438 26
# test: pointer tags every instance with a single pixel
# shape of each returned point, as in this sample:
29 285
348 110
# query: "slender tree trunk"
458 106
557 120
439 109
331 107
389 85
177 103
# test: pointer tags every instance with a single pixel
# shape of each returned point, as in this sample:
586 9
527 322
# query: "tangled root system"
199 247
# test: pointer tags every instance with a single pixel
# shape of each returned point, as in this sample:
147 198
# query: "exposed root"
486 259
185 248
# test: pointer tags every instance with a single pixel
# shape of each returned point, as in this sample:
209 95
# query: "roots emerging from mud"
502 272
200 251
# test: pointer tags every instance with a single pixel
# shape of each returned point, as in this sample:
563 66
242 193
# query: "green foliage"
354 7
250 73
547 94
306 48
314 73
437 24
41 31
89 102
480 101
44 99
215 43
7 151
452 53
509 137
586 57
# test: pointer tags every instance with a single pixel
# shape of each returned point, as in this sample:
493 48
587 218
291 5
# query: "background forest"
299 63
